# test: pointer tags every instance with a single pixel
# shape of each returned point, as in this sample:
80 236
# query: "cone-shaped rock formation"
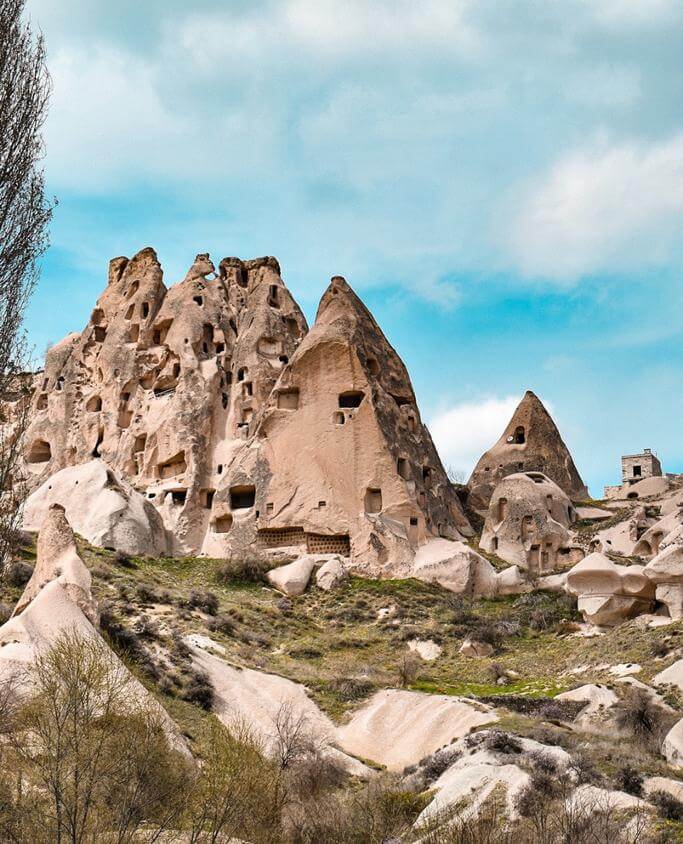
530 443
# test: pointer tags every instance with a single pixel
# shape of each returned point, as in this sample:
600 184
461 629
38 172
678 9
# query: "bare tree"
24 217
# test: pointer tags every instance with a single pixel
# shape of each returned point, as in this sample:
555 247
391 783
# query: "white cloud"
464 432
634 13
602 208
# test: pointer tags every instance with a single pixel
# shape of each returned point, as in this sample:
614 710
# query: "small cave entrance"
502 509
223 524
94 404
178 497
206 497
174 466
403 468
351 399
139 444
373 500
518 437
39 452
242 497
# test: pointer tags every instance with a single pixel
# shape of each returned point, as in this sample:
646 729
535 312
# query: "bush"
351 688
630 780
669 807
5 612
408 669
503 742
202 600
122 560
250 569
17 573
638 714
146 595
221 624
199 690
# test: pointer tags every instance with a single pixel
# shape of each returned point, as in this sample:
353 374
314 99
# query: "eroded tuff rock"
528 523
340 461
163 385
102 508
666 572
530 443
607 593
241 429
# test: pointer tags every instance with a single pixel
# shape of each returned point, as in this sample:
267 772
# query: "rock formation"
340 461
608 593
666 572
102 508
530 443
528 523
243 431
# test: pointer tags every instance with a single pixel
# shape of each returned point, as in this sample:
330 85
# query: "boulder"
474 648
651 785
665 570
607 593
671 676
456 567
58 561
597 698
530 443
425 648
331 574
101 507
512 581
293 578
528 523
672 748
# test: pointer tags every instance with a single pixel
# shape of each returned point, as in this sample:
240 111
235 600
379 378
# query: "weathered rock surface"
607 593
671 676
528 523
672 748
456 567
102 508
243 430
57 561
475 648
512 581
530 443
292 579
331 574
666 572
397 728
58 601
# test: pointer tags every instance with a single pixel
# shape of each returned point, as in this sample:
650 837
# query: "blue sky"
501 182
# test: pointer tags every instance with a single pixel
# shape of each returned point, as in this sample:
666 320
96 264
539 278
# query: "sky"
501 182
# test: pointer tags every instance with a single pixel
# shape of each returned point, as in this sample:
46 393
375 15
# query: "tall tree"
24 217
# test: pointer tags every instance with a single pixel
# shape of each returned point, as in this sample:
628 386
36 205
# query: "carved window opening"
351 399
39 452
403 468
178 497
288 399
198 300
242 497
140 442
176 465
373 500
223 524
94 404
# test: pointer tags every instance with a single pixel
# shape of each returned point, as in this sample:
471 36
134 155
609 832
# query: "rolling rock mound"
530 443
213 402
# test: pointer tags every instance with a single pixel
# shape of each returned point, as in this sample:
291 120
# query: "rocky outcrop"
292 578
102 508
57 561
163 385
530 443
666 572
528 523
456 567
241 429
607 593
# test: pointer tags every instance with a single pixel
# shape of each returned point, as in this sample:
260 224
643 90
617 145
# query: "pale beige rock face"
102 508
607 593
530 443
331 574
673 746
292 579
456 567
397 728
666 572
671 676
242 430
163 384
474 648
57 560
341 461
512 581
528 523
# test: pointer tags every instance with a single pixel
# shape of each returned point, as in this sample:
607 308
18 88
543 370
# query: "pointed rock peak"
530 442
201 267
58 560
340 300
